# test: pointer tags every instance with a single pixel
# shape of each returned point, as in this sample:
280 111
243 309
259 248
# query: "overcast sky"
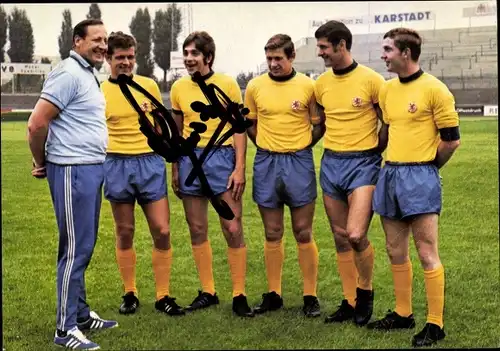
240 30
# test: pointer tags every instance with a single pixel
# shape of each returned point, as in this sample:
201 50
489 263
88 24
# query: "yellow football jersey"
282 111
185 91
122 119
415 111
348 99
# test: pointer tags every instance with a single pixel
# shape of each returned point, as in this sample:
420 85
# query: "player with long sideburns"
350 165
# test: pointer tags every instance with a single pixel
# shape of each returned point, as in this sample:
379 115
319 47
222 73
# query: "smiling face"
278 63
195 61
122 61
401 48
393 57
93 46
332 56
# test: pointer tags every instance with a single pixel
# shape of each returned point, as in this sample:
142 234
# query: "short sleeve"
174 98
250 101
376 83
381 101
443 107
59 88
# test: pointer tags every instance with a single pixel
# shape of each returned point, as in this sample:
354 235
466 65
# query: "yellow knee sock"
348 275
162 264
274 255
402 275
203 258
434 288
364 264
237 258
309 261
126 260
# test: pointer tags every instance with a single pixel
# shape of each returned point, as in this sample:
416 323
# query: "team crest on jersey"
356 102
295 105
146 106
412 107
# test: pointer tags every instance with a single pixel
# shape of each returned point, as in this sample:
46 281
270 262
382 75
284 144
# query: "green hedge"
15 116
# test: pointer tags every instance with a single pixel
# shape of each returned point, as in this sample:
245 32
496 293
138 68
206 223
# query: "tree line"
156 38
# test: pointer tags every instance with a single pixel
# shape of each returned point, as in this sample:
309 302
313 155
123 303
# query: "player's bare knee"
303 235
342 243
161 237
125 229
355 236
397 258
274 233
360 244
162 240
196 228
428 257
234 233
198 233
397 252
124 235
235 241
233 227
198 240
339 232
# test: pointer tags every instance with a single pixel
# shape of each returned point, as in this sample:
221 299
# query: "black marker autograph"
172 146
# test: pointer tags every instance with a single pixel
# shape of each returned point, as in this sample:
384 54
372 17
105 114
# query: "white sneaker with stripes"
96 323
75 340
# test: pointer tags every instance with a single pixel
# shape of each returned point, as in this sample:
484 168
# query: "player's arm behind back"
59 89
447 122
316 116
179 121
237 179
318 119
252 115
383 133
38 127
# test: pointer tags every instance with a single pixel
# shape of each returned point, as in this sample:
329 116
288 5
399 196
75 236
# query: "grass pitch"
469 250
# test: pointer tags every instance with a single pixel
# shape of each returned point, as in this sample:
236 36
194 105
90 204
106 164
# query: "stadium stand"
466 59
21 102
